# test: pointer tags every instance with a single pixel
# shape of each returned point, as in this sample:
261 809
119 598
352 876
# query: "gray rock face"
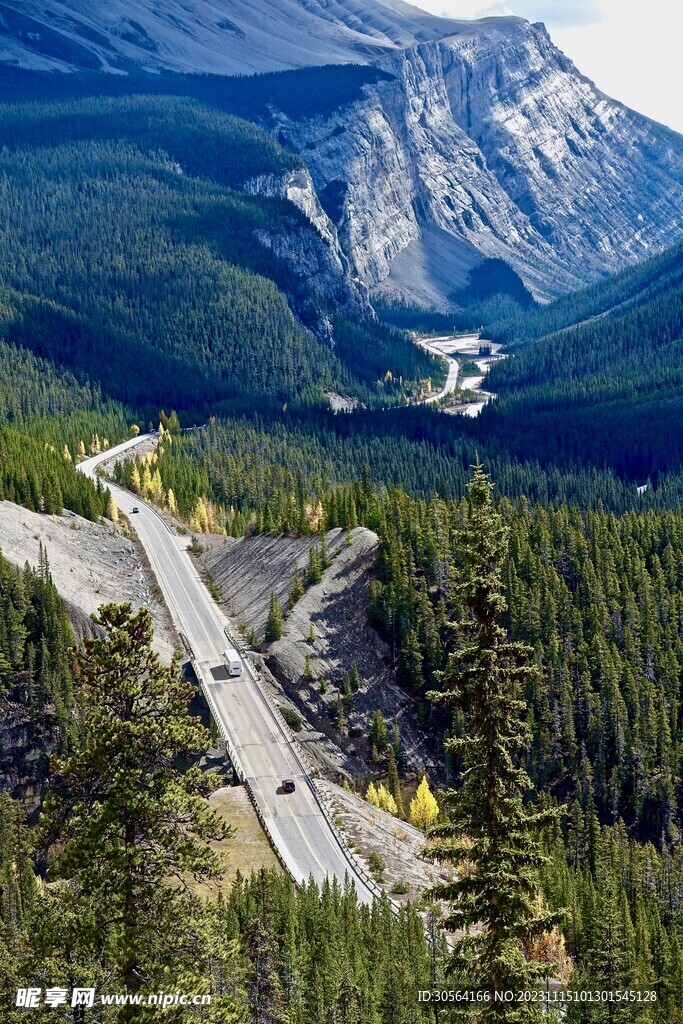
220 36
491 143
486 141
311 250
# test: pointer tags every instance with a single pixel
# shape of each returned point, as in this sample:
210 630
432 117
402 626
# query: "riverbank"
456 350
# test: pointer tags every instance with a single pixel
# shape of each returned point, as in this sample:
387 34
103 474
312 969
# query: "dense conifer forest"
132 280
129 254
605 392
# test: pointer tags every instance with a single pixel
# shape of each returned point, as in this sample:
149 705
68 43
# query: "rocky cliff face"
311 249
490 143
485 141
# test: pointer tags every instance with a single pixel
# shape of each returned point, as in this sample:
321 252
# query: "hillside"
251 35
460 140
248 571
177 256
91 564
605 388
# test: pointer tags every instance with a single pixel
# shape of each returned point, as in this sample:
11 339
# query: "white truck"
233 662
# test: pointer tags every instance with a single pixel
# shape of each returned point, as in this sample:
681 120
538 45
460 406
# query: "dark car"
288 785
135 508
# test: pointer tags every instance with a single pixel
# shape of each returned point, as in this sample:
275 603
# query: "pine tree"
297 589
347 699
393 782
314 572
378 731
274 625
396 744
127 824
490 829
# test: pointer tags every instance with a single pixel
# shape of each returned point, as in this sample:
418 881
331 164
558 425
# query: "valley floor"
446 346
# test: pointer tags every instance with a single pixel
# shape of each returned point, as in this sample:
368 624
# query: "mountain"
453 141
490 143
213 36
177 256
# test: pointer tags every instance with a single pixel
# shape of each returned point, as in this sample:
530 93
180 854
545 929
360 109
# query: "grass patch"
248 850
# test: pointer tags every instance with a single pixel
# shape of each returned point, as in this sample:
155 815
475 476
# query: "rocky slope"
220 36
91 564
311 251
248 571
481 140
491 143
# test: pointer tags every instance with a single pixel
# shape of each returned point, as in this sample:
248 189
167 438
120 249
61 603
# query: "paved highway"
261 745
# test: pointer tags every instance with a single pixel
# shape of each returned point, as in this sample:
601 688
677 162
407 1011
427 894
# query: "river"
466 346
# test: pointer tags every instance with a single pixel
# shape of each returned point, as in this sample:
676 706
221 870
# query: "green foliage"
291 717
494 292
297 589
212 587
622 928
274 624
632 287
304 92
393 781
45 412
128 824
164 293
314 569
378 731
376 864
399 313
36 698
616 375
371 351
490 829
265 471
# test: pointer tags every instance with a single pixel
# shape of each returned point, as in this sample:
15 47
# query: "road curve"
303 835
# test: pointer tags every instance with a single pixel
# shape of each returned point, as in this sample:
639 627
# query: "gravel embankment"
91 564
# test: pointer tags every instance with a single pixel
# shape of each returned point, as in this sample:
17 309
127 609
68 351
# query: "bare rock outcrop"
248 571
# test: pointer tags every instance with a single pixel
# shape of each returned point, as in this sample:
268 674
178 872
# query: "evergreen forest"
146 279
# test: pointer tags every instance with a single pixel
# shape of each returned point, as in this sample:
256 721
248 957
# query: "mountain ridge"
470 140
210 36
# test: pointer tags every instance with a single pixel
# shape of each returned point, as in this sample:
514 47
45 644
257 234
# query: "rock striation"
481 140
491 144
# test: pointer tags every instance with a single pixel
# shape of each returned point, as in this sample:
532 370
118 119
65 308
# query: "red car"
288 786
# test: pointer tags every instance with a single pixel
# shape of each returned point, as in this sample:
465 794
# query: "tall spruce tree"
490 830
274 623
394 783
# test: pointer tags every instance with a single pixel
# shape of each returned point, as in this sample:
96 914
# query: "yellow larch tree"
424 809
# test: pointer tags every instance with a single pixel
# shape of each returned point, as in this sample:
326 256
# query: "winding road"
261 749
